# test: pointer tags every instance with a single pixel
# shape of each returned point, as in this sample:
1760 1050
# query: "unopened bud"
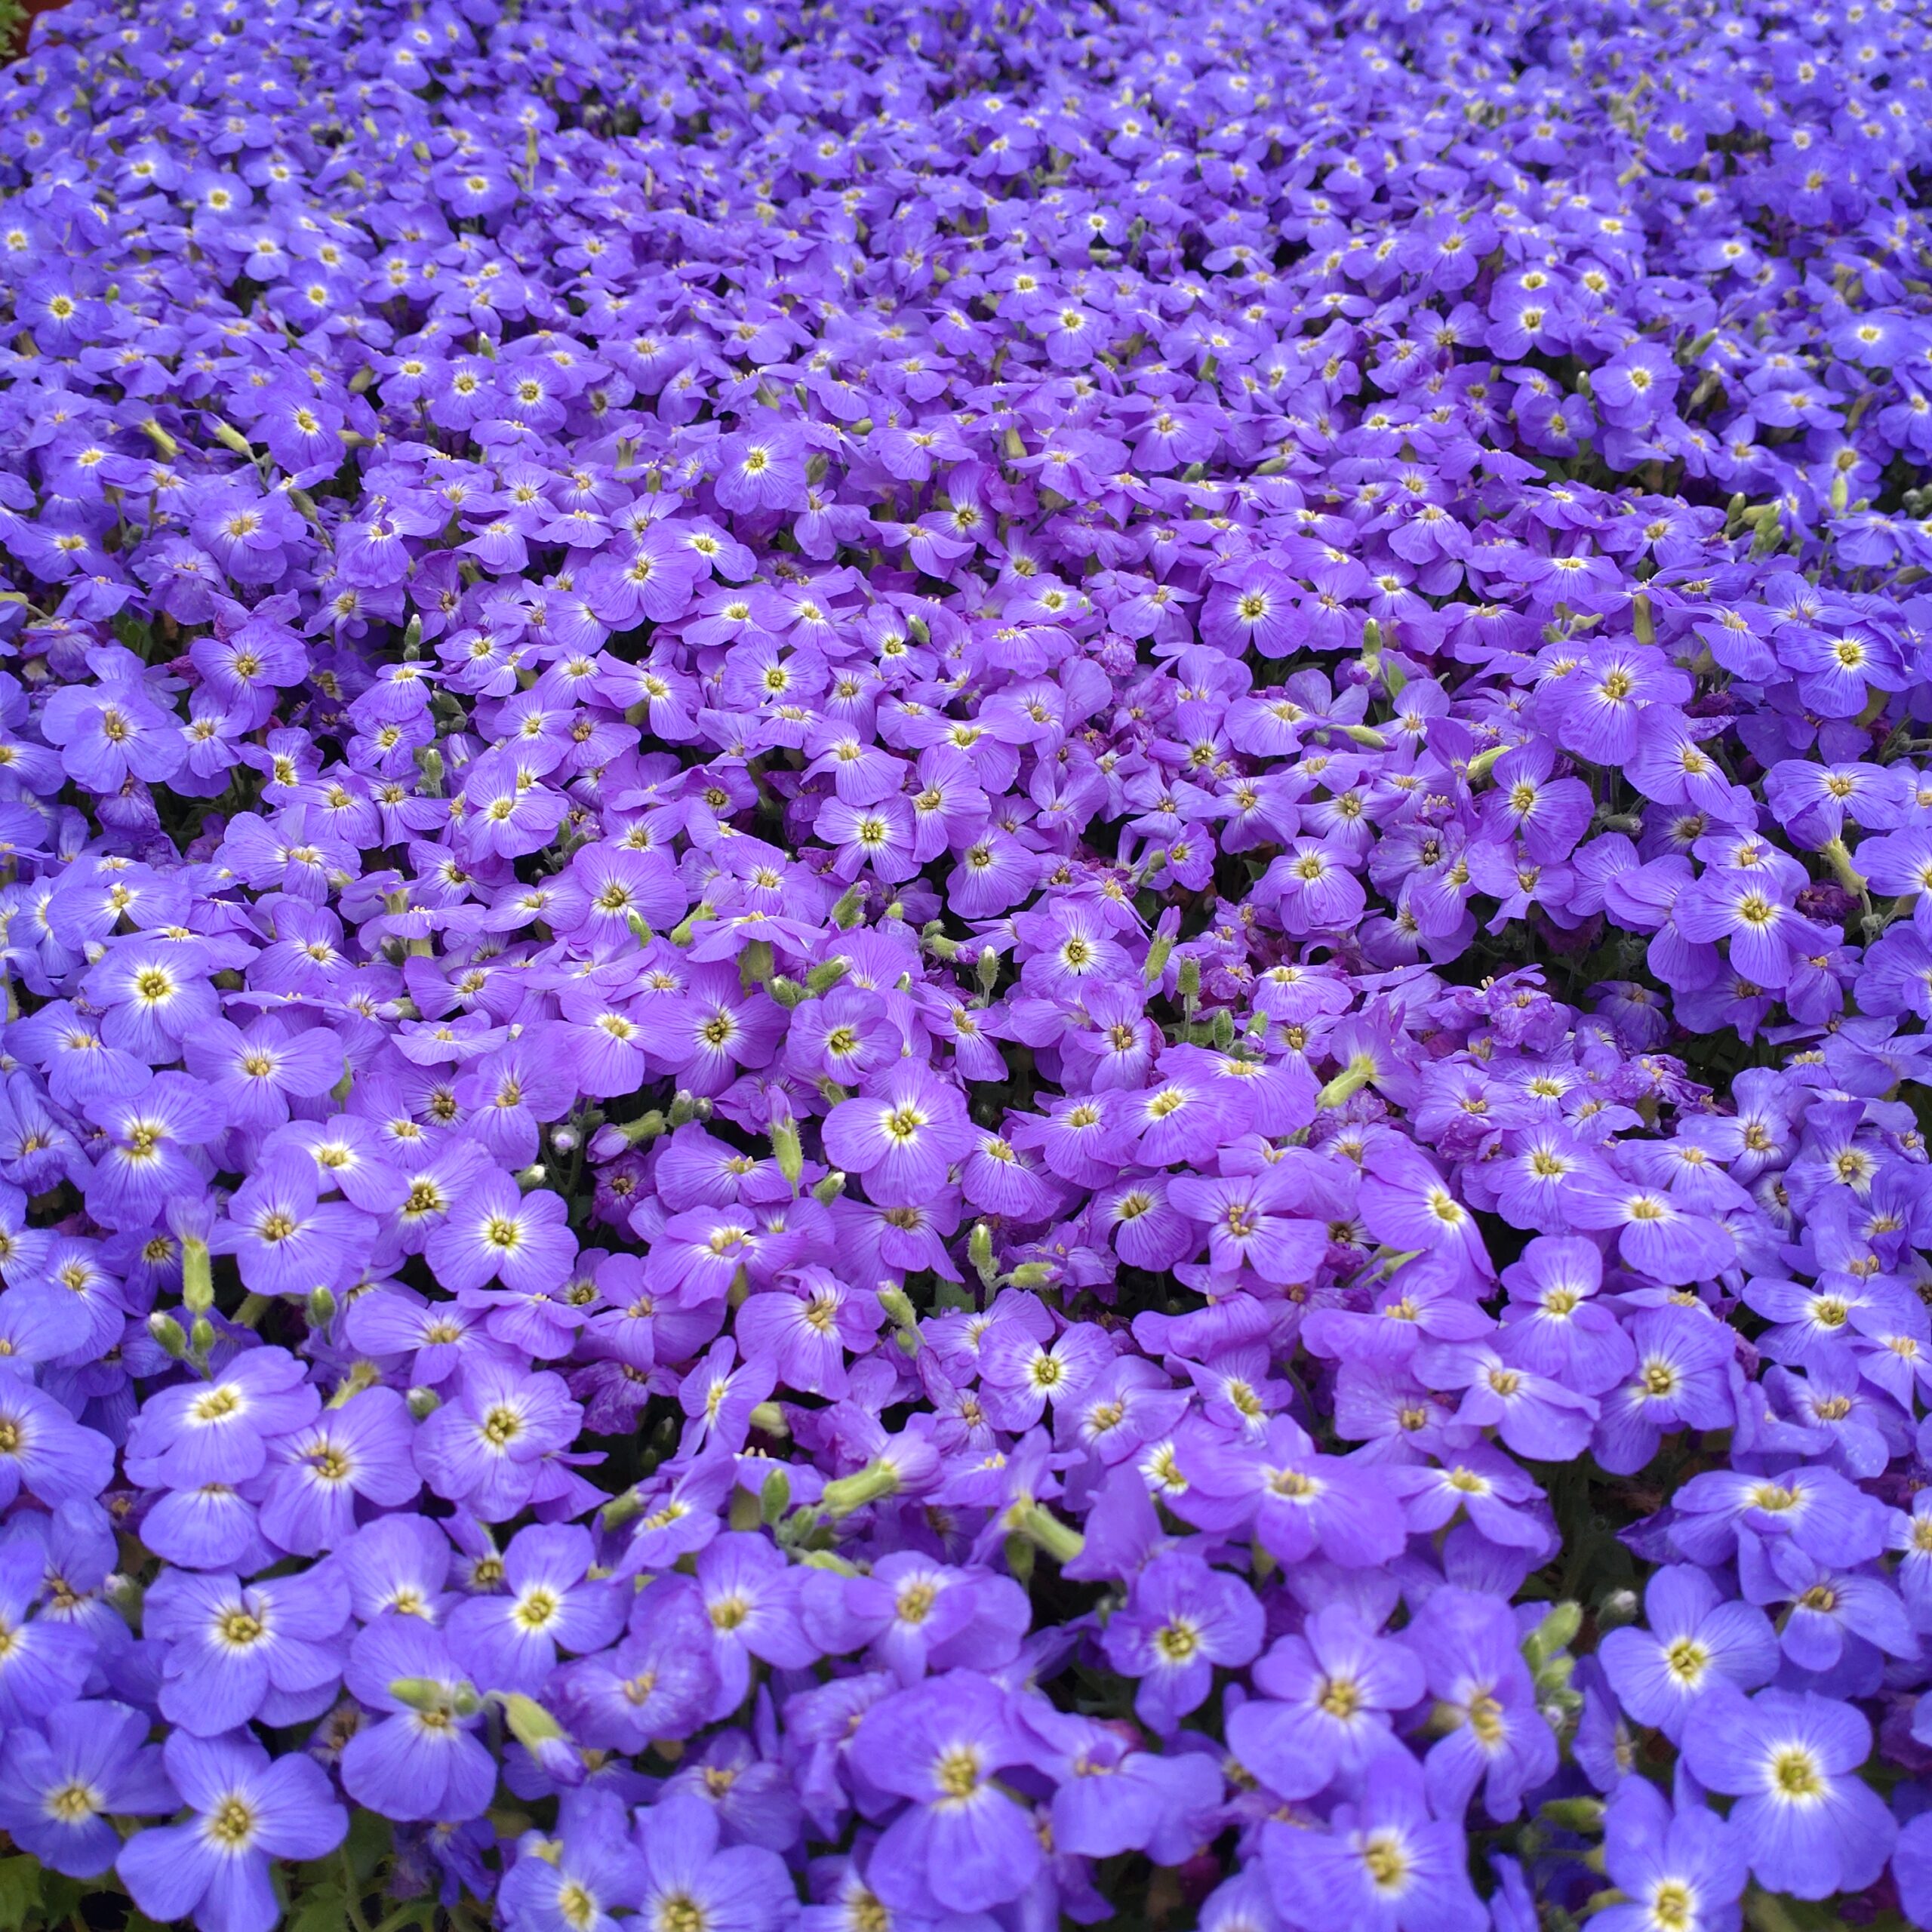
1188 980
785 1143
1555 1633
621 1509
320 1308
870 1485
989 969
429 1694
197 1277
168 1335
851 906
684 1107
755 963
980 1252
531 1724
826 974
1352 1078
829 1188
1583 1816
423 1403
1618 1609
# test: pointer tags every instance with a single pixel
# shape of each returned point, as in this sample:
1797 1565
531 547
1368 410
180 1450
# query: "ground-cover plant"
966 966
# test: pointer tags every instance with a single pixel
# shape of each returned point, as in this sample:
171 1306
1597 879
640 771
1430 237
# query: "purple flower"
1113 1798
510 1642
659 1680
961 1843
80 1763
1467 1643
492 1232
237 1650
1689 1863
1807 1822
286 1240
1696 1642
218 1431
1328 1696
1181 1620
248 1811
487 1446
902 1139
750 1595
1298 1501
686 1875
360 1449
1384 1863
421 1758
44 1452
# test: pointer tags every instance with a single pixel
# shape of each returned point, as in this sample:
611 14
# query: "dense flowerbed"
966 966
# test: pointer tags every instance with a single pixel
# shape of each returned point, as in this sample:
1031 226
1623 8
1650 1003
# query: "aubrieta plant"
968 966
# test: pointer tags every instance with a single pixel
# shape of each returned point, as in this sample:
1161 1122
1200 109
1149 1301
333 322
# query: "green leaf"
19 1891
321 1907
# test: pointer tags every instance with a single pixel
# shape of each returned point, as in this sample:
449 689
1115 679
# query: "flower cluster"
967 959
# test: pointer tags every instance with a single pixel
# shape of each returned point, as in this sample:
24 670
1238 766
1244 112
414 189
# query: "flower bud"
785 1143
423 1403
755 963
876 1481
826 974
197 1277
1556 1632
980 1252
